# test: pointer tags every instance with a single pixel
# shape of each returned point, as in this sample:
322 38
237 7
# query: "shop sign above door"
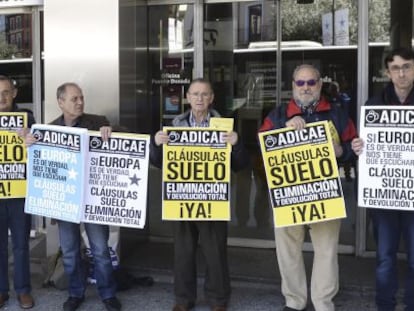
16 3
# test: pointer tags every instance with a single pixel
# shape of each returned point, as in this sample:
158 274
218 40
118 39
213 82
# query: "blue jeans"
12 216
70 242
389 225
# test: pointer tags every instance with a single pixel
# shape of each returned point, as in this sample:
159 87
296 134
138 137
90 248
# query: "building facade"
134 60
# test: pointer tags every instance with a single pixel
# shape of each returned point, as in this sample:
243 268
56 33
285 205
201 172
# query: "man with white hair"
307 105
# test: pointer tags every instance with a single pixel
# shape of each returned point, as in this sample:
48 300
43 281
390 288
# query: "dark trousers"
389 226
212 236
13 217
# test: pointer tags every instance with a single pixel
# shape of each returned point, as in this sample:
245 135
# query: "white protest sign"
386 166
117 179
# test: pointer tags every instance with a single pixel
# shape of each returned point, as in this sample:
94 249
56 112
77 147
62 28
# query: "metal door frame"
359 248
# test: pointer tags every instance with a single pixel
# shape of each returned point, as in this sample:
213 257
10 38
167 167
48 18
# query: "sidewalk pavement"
255 282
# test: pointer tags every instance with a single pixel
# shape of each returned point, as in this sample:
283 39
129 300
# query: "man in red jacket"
307 106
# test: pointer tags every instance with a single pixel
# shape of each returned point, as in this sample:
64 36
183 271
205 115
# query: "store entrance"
248 50
234 45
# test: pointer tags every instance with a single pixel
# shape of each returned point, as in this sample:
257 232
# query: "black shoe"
178 307
144 281
73 303
112 304
291 309
183 307
3 299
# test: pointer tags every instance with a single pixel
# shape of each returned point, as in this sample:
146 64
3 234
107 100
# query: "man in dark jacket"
212 235
389 225
71 102
307 106
12 217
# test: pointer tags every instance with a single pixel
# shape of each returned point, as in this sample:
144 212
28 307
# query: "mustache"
306 92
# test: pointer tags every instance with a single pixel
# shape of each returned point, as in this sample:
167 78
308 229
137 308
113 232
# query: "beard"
305 101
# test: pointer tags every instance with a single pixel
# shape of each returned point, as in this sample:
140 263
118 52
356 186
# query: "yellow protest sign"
12 156
225 124
302 175
334 133
196 175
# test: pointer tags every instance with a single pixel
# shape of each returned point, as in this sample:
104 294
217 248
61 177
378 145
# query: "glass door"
171 53
325 34
170 66
251 46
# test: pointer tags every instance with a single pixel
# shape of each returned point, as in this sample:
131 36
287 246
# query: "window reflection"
15 36
16 54
379 20
244 83
241 64
172 42
327 22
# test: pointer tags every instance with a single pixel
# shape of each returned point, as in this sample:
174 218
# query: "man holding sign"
71 102
212 235
12 214
308 106
390 223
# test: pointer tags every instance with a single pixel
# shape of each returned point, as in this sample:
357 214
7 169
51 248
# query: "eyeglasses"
202 95
6 93
311 82
404 68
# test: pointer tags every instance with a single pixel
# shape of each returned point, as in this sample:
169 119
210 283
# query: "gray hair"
306 66
202 81
11 81
61 90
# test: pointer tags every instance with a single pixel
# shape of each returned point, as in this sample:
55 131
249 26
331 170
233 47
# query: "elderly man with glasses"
307 105
211 235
